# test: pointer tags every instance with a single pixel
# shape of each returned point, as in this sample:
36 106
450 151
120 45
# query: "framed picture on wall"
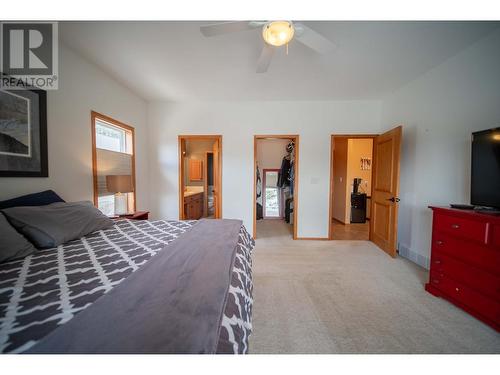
366 164
23 133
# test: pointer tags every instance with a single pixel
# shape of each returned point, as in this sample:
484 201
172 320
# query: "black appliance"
485 176
358 208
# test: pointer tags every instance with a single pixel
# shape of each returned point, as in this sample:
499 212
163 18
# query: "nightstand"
138 215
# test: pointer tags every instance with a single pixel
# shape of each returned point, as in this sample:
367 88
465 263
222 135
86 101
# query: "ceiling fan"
275 34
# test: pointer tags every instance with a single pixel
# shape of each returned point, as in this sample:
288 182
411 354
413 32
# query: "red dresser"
465 262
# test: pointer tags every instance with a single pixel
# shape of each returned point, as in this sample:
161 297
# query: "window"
112 154
108 137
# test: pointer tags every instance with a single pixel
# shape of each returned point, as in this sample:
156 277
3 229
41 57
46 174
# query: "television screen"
485 179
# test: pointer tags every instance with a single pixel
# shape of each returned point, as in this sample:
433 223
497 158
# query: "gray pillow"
12 244
57 223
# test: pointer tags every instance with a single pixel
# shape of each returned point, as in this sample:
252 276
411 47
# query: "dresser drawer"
495 236
461 227
480 280
467 251
485 306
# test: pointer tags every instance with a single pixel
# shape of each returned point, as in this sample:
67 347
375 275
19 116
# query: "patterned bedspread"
47 289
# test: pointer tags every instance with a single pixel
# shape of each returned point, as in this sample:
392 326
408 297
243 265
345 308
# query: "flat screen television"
485 176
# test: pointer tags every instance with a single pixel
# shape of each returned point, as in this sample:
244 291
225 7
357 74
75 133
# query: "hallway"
353 231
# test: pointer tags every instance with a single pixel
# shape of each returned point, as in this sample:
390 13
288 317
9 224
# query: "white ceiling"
173 61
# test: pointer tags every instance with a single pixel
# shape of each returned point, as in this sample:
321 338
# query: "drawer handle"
435 281
457 290
455 226
437 262
438 242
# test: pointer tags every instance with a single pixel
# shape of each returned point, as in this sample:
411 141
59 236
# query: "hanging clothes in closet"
286 178
284 173
260 213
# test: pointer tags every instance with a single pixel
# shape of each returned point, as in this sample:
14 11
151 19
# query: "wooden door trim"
264 195
332 174
96 115
181 172
296 139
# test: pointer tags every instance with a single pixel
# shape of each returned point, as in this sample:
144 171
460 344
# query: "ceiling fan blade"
228 27
312 39
265 58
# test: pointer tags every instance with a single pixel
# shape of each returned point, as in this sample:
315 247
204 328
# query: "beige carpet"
350 297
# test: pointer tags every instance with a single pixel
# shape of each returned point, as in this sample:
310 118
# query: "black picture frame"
43 170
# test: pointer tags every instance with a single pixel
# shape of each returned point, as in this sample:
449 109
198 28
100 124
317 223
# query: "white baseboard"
415 257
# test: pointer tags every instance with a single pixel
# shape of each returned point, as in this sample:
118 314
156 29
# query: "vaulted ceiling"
172 60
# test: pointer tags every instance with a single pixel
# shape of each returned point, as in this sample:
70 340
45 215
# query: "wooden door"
385 191
217 179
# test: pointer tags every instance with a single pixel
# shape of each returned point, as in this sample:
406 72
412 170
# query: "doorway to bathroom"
200 177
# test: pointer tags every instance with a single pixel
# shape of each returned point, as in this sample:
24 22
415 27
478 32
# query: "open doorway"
200 177
351 184
365 188
276 160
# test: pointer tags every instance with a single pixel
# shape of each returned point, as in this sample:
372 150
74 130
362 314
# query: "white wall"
270 153
82 88
238 122
439 110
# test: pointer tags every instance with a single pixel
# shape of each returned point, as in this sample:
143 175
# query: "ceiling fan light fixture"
278 33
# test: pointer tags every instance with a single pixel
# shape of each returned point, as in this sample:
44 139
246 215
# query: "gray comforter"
153 294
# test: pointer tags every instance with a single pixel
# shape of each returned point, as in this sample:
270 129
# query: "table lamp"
119 185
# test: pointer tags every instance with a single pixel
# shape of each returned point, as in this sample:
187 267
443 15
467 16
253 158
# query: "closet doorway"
200 177
276 165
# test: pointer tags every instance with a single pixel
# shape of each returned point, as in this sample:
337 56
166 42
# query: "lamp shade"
119 183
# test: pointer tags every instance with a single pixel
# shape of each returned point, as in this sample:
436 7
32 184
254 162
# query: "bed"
137 287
